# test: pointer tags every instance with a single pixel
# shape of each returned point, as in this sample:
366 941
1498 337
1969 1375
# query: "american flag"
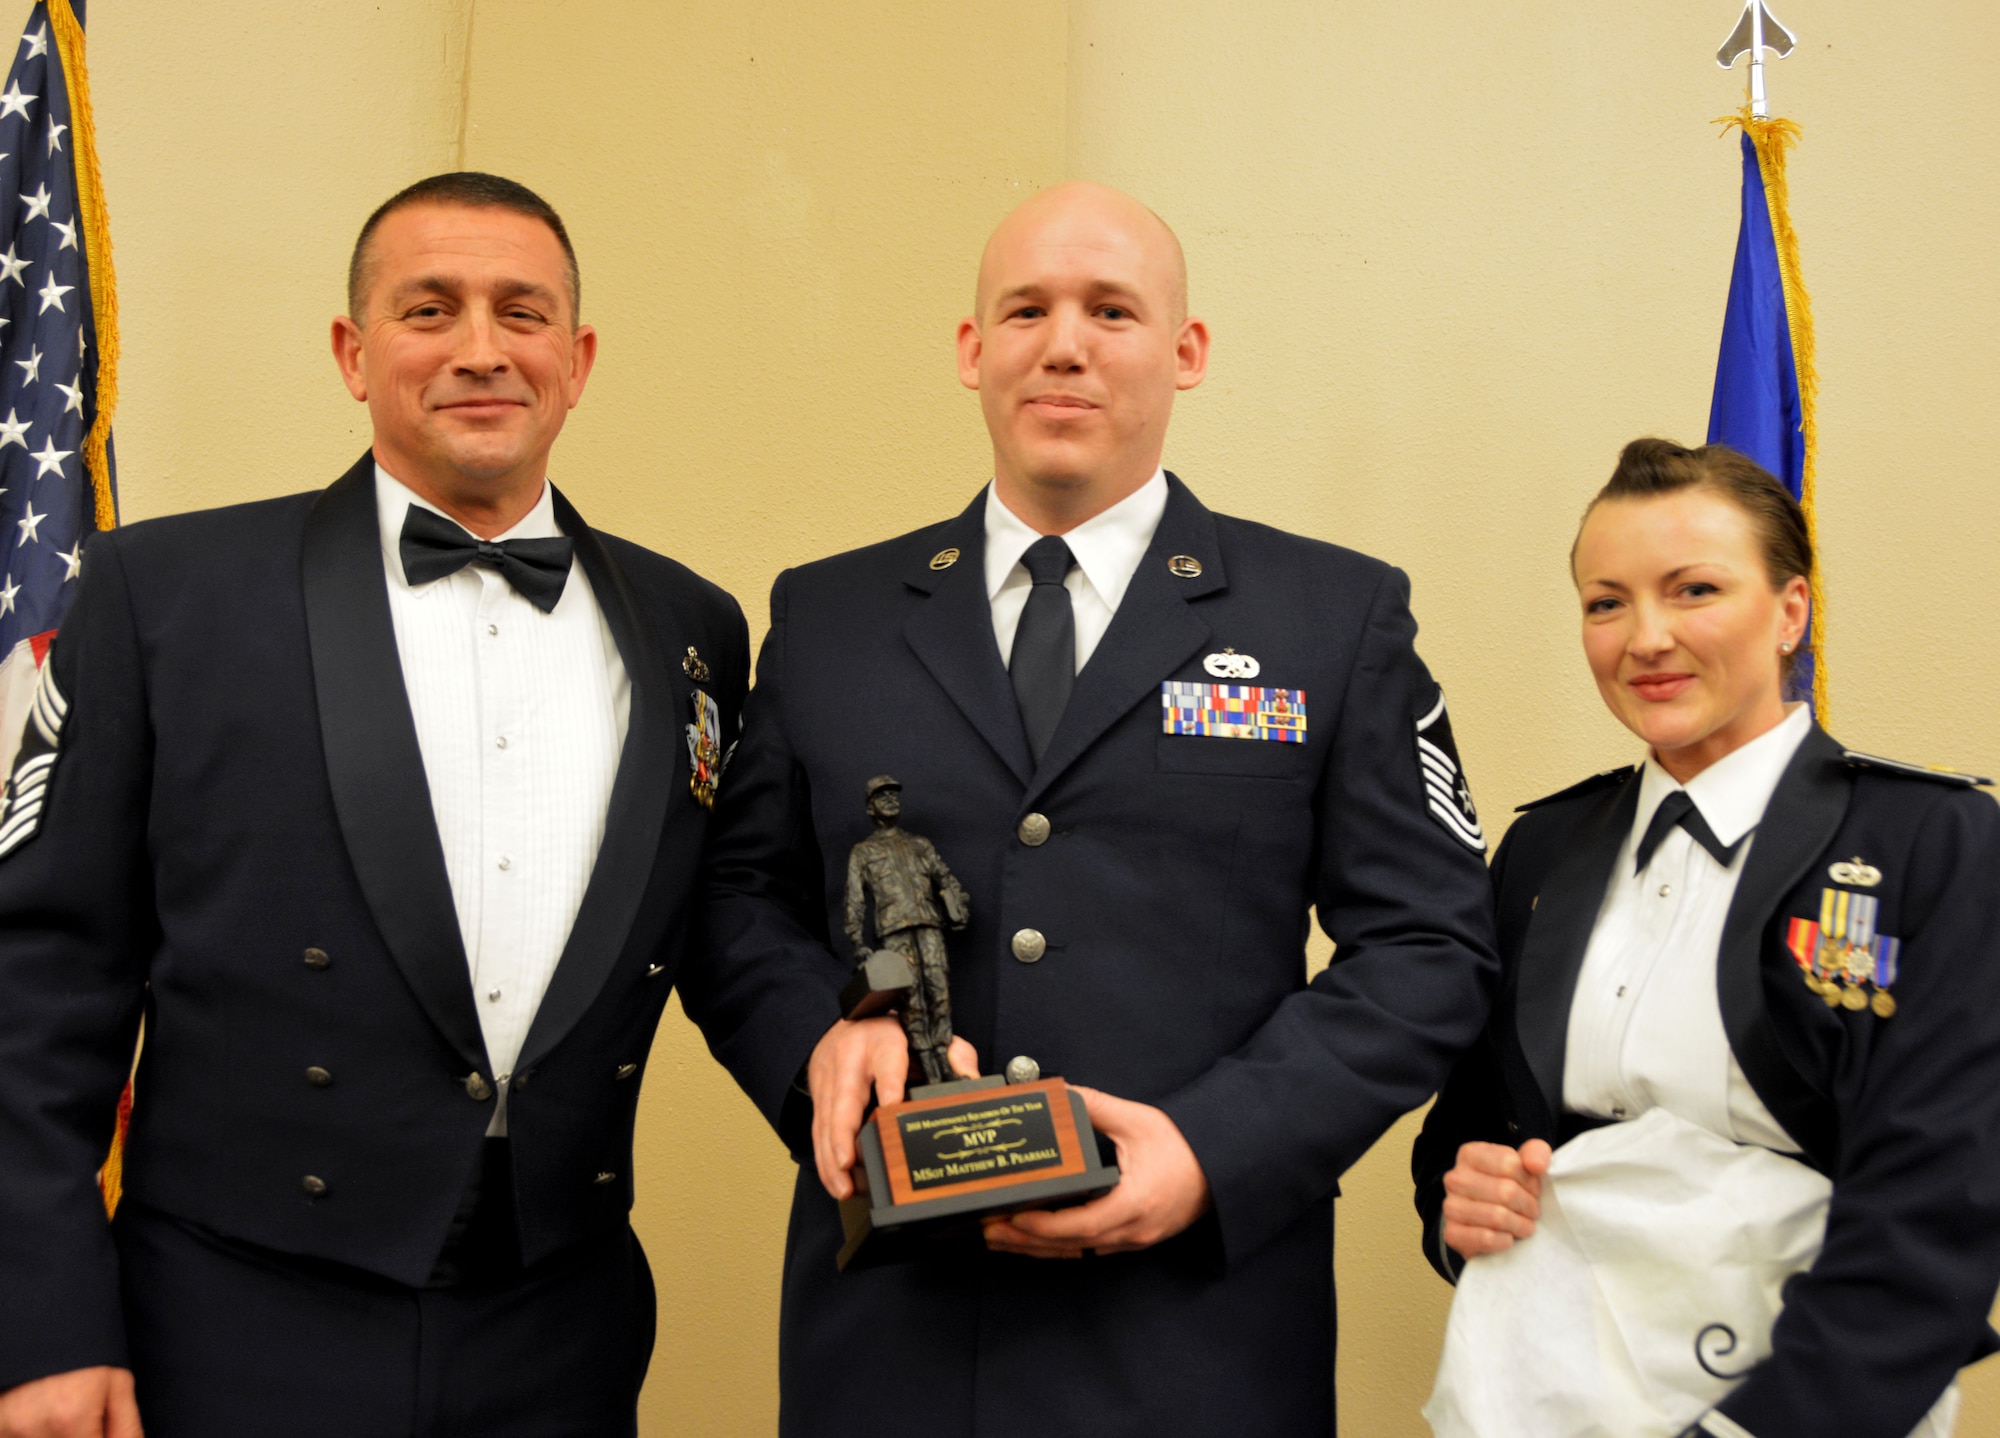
51 498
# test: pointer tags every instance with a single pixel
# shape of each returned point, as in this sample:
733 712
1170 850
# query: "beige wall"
1453 255
243 144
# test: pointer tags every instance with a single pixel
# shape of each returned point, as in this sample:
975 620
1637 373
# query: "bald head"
1082 217
1079 340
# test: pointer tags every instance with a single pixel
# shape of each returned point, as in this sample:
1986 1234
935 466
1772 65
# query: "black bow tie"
1678 808
433 547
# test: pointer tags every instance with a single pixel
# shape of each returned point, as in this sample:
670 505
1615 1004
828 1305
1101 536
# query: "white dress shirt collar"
393 499
1733 792
1107 546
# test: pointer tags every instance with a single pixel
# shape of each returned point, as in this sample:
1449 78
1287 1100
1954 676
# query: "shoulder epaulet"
1915 771
1595 781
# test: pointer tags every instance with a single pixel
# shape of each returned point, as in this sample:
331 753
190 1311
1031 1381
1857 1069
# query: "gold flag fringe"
97 249
96 444
1771 138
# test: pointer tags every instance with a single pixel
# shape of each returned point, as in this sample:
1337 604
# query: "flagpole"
1751 373
1758 106
1757 30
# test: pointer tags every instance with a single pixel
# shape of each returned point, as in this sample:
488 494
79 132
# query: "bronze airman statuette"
907 968
956 1148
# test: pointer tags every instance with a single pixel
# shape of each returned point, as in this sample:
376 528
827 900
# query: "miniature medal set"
1844 958
706 757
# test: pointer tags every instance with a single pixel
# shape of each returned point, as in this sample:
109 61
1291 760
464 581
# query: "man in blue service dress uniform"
1150 740
381 804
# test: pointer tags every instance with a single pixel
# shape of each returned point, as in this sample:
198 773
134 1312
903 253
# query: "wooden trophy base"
952 1153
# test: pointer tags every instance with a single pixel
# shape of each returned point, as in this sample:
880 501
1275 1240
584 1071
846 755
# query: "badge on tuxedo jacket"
705 758
1446 794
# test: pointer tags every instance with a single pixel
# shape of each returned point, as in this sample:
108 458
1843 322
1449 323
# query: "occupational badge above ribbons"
957 1149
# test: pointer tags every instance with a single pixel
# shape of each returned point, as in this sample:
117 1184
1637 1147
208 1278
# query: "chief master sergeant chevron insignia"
34 763
1446 794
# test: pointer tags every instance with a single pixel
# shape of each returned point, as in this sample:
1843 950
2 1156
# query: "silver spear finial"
1756 31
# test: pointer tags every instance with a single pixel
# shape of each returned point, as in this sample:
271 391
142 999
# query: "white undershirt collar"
1733 792
1107 546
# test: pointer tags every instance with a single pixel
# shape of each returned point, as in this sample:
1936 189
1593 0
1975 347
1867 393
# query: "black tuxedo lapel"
373 763
1805 811
1152 634
1565 912
640 794
952 633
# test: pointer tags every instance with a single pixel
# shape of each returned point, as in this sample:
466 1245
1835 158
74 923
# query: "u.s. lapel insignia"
704 738
1843 957
695 667
34 763
1184 566
944 559
1446 794
1854 871
1231 665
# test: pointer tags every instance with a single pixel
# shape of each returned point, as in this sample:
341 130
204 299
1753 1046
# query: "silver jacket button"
1029 945
1022 1069
606 1177
1034 830
626 1071
477 1088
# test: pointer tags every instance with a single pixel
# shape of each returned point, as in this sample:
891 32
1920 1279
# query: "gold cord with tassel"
96 444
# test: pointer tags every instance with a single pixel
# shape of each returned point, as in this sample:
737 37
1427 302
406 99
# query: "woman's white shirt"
1645 1024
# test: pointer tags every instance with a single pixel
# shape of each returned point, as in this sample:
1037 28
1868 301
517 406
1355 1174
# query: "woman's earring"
1786 647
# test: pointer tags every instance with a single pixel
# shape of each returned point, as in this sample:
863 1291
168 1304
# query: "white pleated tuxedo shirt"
1645 1025
1107 548
521 717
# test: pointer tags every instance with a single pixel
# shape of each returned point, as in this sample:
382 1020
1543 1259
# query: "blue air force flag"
1764 377
1757 409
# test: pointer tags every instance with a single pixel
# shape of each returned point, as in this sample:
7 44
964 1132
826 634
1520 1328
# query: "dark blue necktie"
433 547
1043 665
1678 808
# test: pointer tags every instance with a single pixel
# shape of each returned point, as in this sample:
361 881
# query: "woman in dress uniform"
1727 1159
